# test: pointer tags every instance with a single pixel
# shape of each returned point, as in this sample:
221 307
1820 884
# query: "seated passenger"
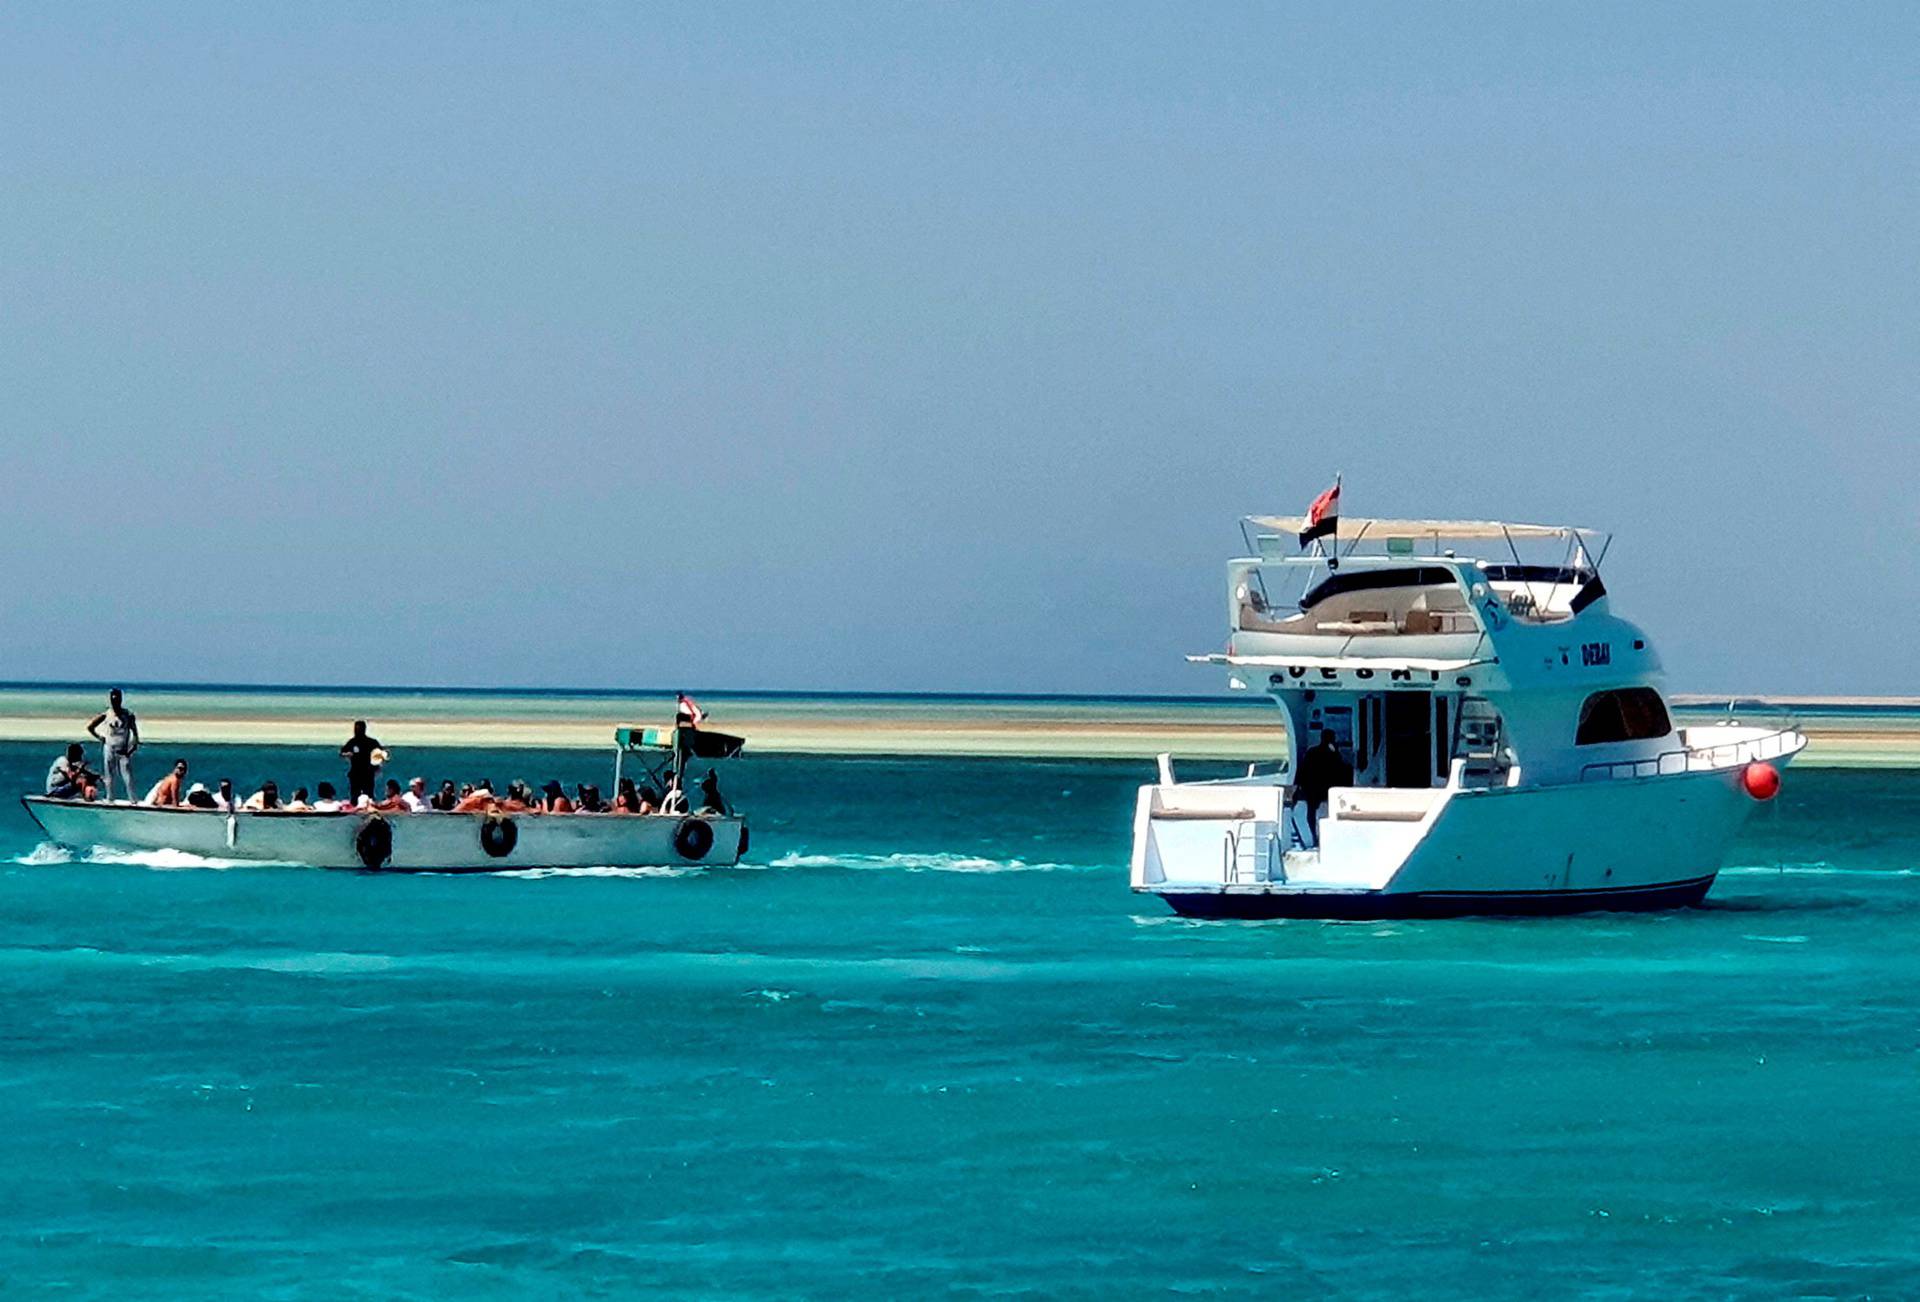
675 801
416 797
586 798
198 797
301 802
649 799
478 798
69 778
626 800
556 801
392 801
326 800
227 799
711 801
267 797
170 790
446 797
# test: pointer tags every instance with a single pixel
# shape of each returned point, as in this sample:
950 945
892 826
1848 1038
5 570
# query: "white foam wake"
942 863
654 870
1813 870
46 854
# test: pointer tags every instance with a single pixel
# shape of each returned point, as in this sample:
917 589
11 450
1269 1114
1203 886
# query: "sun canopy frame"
1352 526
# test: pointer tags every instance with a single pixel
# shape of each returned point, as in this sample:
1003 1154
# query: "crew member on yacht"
1321 770
117 744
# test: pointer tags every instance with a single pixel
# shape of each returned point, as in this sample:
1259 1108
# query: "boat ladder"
1254 853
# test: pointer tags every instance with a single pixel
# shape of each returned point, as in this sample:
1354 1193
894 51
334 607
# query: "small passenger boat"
487 841
1501 738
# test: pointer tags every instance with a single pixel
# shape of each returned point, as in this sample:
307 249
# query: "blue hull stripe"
1363 905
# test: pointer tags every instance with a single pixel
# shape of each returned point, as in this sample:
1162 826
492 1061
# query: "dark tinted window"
1629 714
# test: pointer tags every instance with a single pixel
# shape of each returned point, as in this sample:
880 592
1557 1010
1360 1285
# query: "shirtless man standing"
117 745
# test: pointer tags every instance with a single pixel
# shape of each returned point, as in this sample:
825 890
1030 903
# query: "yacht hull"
1636 844
1364 906
431 842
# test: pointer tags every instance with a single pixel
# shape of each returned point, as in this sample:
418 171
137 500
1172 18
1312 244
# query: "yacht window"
1629 714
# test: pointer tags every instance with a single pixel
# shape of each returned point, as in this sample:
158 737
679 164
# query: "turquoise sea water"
927 1043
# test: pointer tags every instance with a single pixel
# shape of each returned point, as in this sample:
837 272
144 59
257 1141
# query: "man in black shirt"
358 753
1321 770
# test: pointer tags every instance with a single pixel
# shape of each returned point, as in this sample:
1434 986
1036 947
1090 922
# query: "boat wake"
942 863
1813 870
47 854
655 870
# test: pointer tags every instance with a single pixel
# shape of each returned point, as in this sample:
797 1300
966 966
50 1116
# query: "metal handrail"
1707 759
1230 850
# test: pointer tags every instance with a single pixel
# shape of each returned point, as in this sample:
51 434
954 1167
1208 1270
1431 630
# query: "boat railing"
1699 759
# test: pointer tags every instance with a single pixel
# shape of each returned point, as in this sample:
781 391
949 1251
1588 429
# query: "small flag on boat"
688 712
1323 517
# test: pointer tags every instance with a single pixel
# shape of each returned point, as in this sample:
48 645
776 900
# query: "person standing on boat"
362 768
1321 770
117 744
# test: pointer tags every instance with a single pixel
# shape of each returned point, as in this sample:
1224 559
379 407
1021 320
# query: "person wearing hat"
198 797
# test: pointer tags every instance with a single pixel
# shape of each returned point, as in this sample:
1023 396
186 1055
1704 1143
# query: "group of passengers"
71 779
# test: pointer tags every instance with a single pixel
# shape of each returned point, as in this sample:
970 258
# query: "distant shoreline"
1843 731
1686 700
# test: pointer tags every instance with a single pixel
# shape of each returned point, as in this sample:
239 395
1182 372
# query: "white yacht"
1496 734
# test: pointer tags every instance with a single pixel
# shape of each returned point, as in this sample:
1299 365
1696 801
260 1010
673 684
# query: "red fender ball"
1761 781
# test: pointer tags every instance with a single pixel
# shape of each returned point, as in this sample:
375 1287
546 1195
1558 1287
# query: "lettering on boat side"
1596 653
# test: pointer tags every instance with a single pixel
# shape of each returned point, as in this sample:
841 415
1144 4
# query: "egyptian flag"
1323 517
688 713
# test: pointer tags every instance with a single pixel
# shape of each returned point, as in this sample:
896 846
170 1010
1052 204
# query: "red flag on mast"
1323 517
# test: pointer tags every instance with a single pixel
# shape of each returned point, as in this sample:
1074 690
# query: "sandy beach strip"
1859 732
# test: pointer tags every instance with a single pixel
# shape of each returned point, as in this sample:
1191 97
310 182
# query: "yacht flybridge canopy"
1532 549
1352 528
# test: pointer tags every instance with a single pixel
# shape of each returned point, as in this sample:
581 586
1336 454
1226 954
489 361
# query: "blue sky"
936 347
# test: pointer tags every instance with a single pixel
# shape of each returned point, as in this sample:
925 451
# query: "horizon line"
1687 699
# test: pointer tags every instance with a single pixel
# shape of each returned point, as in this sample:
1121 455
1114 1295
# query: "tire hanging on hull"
693 838
373 843
498 835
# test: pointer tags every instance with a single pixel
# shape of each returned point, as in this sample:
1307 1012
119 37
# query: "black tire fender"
693 838
498 835
374 841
